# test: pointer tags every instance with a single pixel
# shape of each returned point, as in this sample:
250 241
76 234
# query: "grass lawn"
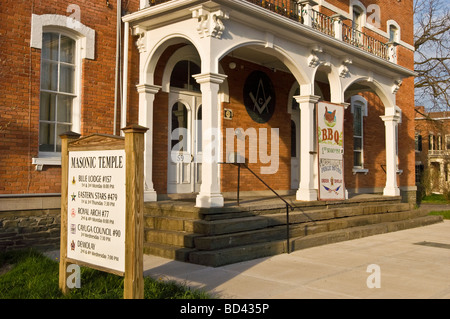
435 199
29 274
445 213
439 200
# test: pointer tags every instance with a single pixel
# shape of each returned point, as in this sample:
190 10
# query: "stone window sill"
50 161
360 170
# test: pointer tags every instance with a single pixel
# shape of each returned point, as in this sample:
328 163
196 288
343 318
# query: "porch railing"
365 42
438 153
322 22
304 14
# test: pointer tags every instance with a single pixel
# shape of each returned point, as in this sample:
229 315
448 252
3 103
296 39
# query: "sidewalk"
413 263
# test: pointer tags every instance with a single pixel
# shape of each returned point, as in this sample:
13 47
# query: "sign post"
63 264
330 139
134 235
102 206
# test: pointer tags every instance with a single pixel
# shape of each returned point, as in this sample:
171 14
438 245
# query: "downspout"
123 113
117 76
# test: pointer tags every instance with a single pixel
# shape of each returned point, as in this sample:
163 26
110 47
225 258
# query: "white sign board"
96 208
330 137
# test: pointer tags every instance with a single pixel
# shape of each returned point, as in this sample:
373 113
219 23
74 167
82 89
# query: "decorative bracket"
140 42
313 59
396 86
343 69
210 24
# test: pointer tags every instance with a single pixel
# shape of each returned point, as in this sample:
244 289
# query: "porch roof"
163 12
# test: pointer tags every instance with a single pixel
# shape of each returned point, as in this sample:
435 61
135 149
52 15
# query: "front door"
185 143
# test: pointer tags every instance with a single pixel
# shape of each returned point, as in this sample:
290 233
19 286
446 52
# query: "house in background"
432 151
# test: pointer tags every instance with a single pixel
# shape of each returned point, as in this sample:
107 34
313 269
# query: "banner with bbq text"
330 138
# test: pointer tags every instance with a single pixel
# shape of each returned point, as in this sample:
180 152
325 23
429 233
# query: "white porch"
215 29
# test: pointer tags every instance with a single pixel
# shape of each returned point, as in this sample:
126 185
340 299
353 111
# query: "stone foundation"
25 229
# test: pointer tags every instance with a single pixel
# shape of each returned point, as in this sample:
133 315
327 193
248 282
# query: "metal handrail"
288 206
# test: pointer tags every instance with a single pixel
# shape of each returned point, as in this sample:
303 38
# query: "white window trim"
358 99
85 49
390 23
85 34
359 7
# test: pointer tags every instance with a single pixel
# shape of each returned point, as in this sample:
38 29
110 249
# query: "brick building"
432 151
186 66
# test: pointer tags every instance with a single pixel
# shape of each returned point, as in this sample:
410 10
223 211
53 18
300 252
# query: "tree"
432 56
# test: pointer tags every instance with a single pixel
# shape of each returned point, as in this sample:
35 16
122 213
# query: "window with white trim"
359 110
357 136
393 30
63 43
418 142
393 33
357 19
57 92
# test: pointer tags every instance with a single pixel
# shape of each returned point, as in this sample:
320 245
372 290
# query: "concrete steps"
246 252
216 237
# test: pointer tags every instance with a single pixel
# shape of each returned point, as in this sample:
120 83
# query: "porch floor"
251 202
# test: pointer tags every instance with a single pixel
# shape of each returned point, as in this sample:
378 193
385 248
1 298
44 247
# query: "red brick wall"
19 92
373 143
282 83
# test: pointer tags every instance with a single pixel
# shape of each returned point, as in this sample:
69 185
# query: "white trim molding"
84 33
41 161
85 49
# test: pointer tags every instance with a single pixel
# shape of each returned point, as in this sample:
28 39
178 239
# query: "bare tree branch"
432 56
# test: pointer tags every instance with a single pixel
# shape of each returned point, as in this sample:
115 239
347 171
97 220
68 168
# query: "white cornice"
246 11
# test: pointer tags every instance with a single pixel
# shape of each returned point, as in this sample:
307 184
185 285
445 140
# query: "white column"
392 52
210 195
306 11
391 188
307 191
146 97
338 20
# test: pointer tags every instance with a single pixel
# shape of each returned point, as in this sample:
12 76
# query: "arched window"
58 65
293 139
64 43
180 124
357 19
393 31
359 110
199 130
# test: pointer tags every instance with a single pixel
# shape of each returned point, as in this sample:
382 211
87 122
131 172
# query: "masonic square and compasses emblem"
259 97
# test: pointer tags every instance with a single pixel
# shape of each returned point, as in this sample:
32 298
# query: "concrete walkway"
412 263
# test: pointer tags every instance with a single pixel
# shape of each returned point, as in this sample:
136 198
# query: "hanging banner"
330 137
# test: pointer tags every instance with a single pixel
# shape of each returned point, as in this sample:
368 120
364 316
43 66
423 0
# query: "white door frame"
184 176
